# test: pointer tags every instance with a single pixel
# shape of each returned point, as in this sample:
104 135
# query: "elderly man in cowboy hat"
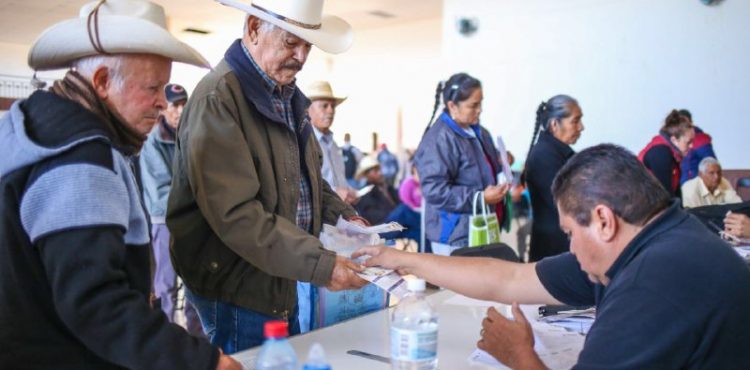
322 110
248 198
74 250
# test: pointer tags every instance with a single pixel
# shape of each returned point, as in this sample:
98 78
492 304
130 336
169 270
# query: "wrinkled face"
711 177
569 129
141 97
585 245
280 54
467 112
321 113
173 113
685 142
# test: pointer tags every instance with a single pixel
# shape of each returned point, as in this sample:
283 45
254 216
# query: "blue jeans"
234 328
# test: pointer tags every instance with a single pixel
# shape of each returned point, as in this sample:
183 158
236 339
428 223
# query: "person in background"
709 188
322 110
156 174
668 292
248 200
663 154
410 192
74 238
352 156
388 164
702 148
456 159
558 125
382 198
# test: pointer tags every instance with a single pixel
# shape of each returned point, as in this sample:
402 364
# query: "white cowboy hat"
303 18
367 163
322 90
114 27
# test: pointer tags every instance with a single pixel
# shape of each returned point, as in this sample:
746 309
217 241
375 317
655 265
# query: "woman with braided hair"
455 160
558 126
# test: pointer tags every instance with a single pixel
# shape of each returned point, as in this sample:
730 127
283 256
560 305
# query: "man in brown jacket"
248 200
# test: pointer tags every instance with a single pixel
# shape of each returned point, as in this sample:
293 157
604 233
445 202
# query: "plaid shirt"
281 98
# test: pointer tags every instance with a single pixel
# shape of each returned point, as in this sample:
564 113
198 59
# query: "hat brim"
362 171
67 41
336 99
334 35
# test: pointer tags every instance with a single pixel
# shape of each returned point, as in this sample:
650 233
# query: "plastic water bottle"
414 331
276 353
316 359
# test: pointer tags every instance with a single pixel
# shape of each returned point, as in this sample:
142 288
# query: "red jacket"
659 140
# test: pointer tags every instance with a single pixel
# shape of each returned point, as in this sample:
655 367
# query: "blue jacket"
452 168
156 171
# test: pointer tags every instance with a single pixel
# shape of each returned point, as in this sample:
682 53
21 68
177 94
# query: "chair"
499 250
743 188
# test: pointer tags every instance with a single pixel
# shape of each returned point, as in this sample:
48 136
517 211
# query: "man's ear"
605 221
253 23
101 80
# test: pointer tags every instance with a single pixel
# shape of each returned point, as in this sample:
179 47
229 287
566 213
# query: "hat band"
288 20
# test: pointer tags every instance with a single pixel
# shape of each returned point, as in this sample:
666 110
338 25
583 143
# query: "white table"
458 334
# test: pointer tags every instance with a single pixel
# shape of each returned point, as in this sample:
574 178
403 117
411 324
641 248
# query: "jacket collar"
256 90
445 117
672 216
564 150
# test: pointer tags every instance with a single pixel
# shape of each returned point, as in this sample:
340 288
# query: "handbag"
483 227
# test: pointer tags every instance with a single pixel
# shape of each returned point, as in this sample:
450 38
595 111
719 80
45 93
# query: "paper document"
504 159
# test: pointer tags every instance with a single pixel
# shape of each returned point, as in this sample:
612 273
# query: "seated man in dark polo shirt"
669 294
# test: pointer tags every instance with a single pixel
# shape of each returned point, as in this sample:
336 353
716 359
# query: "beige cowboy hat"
303 18
367 163
322 90
114 27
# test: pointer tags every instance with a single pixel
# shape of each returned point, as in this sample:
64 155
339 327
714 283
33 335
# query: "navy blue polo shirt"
678 298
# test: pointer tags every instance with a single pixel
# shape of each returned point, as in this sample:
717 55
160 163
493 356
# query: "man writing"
74 253
248 199
669 294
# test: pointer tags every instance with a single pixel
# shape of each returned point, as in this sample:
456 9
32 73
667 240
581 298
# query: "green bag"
483 227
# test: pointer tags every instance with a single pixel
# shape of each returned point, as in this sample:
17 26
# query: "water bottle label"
413 345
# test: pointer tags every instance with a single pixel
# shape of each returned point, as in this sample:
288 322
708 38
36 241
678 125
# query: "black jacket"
375 206
545 159
74 250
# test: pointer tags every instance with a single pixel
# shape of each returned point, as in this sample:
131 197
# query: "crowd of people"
236 180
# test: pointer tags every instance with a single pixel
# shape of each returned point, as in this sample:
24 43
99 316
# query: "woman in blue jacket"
455 160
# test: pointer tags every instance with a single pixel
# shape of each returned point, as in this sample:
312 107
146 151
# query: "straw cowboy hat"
367 163
303 18
110 27
322 90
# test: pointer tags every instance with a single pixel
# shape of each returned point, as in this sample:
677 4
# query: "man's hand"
227 363
385 257
344 275
737 224
494 194
348 195
509 341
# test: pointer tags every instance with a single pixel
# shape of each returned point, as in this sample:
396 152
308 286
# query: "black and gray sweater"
74 250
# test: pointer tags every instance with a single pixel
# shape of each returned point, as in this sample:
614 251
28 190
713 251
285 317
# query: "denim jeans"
234 328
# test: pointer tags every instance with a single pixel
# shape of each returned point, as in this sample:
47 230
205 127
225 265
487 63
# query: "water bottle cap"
276 329
416 285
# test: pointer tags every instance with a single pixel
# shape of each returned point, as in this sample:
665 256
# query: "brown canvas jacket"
233 202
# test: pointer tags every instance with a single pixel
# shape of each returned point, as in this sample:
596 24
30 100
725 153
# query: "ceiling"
21 21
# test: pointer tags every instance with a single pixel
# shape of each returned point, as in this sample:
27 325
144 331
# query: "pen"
369 355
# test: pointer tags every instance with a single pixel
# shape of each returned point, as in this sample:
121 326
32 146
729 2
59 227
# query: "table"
458 334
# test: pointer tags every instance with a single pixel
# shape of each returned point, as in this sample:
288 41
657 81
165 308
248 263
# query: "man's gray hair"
705 162
87 66
264 25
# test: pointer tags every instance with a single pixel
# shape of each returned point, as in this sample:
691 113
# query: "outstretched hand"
344 275
385 257
509 341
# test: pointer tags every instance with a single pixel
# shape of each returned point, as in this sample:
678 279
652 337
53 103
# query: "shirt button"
214 266
285 179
